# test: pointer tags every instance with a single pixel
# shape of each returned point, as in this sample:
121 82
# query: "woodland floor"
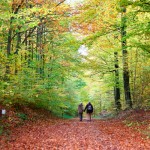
58 134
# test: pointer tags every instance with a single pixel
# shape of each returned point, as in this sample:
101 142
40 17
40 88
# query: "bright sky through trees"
73 1
83 50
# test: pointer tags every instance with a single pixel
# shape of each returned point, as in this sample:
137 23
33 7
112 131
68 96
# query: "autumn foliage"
54 56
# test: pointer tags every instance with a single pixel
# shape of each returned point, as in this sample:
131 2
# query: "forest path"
75 135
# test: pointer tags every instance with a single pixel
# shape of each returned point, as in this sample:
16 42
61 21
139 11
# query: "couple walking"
88 108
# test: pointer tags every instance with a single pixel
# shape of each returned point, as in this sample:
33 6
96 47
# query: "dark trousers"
80 116
89 116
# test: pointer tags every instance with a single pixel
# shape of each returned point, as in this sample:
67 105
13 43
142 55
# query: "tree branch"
60 3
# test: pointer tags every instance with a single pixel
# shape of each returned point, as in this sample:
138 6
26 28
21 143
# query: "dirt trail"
75 135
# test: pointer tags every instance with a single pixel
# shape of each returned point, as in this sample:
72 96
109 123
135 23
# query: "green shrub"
1 130
22 116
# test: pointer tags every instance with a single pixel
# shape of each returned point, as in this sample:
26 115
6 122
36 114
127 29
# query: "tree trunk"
117 88
125 60
9 39
17 49
9 42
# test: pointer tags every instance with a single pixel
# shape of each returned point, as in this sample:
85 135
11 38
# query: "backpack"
89 107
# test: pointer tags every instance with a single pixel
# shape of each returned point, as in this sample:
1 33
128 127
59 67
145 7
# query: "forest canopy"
41 65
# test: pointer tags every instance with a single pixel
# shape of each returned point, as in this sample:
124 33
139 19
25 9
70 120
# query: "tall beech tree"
117 82
126 76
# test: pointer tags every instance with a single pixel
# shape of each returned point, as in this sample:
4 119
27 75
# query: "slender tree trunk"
18 43
134 79
117 88
26 45
125 60
30 56
37 47
9 40
17 49
44 42
8 50
41 49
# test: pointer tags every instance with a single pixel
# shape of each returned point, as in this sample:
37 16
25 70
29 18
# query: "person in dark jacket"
89 111
80 111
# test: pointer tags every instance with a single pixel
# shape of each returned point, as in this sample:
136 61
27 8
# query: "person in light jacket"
80 111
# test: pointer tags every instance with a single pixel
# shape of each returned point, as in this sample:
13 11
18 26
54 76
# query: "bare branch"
60 2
